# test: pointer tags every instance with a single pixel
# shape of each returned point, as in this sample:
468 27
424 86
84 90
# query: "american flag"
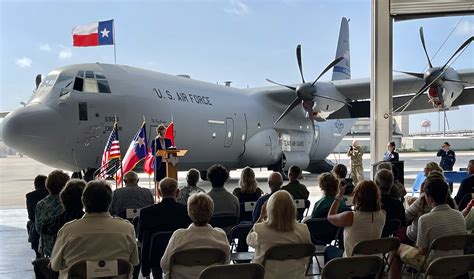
111 151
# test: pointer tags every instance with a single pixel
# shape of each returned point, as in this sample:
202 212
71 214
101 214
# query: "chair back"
376 246
350 267
224 221
391 227
450 267
100 269
239 232
235 271
197 257
153 251
246 210
302 208
322 232
453 242
289 252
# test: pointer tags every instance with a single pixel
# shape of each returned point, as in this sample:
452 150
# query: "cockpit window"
88 81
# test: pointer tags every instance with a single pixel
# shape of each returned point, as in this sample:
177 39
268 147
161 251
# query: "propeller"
306 92
433 75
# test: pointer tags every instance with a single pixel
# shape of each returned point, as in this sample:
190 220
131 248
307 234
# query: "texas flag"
94 34
137 151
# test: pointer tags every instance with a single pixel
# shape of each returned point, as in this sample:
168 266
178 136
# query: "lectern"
171 158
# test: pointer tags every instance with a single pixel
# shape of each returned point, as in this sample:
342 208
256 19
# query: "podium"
172 158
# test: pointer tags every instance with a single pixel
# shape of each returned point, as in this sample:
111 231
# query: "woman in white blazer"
277 225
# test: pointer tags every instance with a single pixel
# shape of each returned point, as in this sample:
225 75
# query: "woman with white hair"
198 235
277 225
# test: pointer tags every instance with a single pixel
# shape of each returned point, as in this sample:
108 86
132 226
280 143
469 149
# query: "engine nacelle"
262 149
300 159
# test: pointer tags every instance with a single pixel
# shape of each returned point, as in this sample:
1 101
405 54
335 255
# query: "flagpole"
115 51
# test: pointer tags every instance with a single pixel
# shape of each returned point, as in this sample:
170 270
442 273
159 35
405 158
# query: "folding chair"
360 266
246 210
302 208
196 257
80 270
322 233
450 267
240 232
445 243
391 227
289 252
224 221
235 271
153 248
381 246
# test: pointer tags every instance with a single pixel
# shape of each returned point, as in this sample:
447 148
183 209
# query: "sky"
239 40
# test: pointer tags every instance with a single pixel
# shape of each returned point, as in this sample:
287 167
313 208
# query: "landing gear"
278 167
203 175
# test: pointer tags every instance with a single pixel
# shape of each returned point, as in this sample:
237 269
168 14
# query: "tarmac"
17 175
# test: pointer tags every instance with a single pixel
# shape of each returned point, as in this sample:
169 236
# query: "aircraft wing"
359 89
361 109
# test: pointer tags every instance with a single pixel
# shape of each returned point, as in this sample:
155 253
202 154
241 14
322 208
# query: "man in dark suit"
160 143
467 186
296 189
166 216
32 198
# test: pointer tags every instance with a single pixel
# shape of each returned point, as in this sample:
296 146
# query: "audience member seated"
277 225
467 185
419 208
166 216
48 208
294 187
248 190
198 235
399 191
32 199
440 221
366 222
192 178
131 196
72 207
224 202
96 236
340 172
393 207
330 187
468 214
275 180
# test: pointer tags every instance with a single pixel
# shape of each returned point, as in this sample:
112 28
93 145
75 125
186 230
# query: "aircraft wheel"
203 175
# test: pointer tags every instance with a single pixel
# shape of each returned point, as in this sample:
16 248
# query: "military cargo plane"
68 119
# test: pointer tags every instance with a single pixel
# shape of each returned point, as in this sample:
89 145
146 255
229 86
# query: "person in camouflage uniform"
355 152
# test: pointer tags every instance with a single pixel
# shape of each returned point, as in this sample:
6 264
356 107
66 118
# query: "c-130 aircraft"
68 119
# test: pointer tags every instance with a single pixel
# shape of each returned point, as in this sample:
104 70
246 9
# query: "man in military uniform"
448 158
355 152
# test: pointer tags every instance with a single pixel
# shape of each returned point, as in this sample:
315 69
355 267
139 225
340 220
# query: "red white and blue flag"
93 34
111 150
136 152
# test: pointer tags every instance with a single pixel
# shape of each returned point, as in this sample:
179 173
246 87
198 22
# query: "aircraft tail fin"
342 70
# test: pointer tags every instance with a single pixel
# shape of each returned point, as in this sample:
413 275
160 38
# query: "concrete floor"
16 179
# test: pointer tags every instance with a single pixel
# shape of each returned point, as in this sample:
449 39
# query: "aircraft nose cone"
31 128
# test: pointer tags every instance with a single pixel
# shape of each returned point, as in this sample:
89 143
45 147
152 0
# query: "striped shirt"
440 221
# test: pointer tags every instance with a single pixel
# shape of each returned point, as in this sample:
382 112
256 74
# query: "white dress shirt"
191 238
262 238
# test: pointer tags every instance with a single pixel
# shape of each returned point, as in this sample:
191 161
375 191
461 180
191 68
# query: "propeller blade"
422 37
417 75
457 80
293 104
332 64
287 86
300 63
464 45
332 99
417 95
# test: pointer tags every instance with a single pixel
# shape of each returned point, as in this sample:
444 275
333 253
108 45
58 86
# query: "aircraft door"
229 133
